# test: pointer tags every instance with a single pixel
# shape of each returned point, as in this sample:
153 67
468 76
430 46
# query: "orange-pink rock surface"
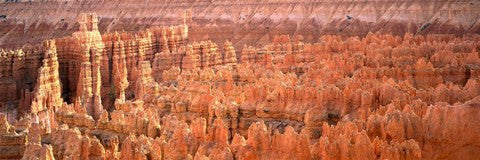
157 94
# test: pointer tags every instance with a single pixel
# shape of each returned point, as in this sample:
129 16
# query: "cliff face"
157 93
242 22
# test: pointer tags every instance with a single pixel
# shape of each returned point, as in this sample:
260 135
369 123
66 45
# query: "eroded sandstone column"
119 72
90 46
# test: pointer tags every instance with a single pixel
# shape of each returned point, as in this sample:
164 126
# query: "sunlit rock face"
240 80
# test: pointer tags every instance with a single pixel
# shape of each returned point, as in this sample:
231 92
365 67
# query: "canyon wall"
241 22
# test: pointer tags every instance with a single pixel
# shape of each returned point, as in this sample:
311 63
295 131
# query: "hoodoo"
240 80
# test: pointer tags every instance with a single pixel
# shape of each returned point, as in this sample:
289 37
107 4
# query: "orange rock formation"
157 94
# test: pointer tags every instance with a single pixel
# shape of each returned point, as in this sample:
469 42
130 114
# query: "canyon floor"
245 80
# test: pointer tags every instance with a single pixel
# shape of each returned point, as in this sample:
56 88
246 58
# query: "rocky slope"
242 22
158 93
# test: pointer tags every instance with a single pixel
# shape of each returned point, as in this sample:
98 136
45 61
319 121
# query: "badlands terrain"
245 80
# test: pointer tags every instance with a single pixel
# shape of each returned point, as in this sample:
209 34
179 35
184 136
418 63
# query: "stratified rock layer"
246 22
156 94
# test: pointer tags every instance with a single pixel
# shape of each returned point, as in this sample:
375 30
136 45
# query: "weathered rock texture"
158 94
250 22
